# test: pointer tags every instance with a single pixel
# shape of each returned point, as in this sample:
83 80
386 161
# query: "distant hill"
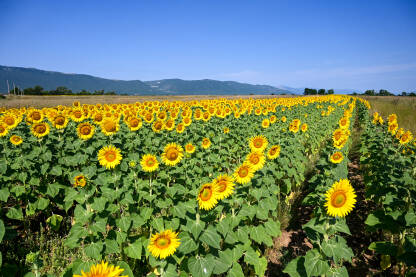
50 80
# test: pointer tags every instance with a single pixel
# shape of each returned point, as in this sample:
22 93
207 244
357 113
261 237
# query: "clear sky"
329 44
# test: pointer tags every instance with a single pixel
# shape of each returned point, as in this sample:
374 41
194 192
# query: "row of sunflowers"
167 188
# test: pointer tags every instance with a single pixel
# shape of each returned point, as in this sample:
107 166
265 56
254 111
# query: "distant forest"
370 92
38 90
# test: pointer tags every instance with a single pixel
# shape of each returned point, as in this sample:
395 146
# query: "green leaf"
384 247
211 237
158 224
14 213
124 223
337 248
4 194
2 230
56 170
261 266
251 257
259 235
99 204
220 266
134 250
195 228
127 271
54 221
42 203
82 216
94 250
410 218
273 228
53 189
314 263
187 245
223 227
236 271
111 246
201 266
337 272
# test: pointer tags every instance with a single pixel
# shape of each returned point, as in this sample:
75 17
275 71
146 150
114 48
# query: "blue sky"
329 44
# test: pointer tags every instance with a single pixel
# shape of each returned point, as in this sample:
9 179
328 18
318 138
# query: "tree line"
38 90
312 91
383 92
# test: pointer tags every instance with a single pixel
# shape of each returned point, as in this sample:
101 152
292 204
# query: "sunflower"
180 128
109 126
134 123
35 116
244 173
258 143
3 129
132 164
265 123
256 159
273 119
157 126
149 163
77 115
337 157
60 121
10 121
304 127
283 118
40 129
392 118
207 196
102 270
172 154
16 140
85 130
340 198
109 156
273 152
393 127
224 186
189 148
206 143
344 123
163 244
226 130
338 135
406 138
80 181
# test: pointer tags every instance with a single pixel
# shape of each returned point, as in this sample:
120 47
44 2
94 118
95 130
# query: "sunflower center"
60 120
9 121
243 172
110 126
254 159
150 162
16 139
110 156
405 137
206 194
78 114
338 199
172 154
273 151
189 147
36 116
134 123
222 185
158 125
162 242
98 117
40 129
86 130
337 135
258 143
2 129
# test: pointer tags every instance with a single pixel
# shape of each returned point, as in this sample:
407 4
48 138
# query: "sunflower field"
200 188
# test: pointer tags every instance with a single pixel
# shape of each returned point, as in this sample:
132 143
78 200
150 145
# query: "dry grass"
66 100
404 107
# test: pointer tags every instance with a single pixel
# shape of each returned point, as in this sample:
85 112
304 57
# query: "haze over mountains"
29 77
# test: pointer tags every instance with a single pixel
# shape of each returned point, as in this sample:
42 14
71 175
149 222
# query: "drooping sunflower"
85 130
164 244
273 152
337 157
256 159
340 198
109 126
206 143
258 143
40 129
149 163
189 148
172 154
80 181
243 173
207 196
16 140
224 185
109 156
102 270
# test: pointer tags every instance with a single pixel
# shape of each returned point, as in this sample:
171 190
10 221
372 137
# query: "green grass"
404 107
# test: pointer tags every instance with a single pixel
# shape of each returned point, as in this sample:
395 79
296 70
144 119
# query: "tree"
321 91
370 92
404 93
383 92
331 91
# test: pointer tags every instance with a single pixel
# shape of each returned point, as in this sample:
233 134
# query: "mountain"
50 80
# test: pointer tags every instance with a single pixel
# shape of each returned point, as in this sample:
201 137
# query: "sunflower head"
340 198
337 157
80 181
244 173
16 140
60 121
189 148
149 163
265 123
40 129
109 126
102 270
224 186
206 143
109 156
406 137
3 129
258 143
304 127
172 154
134 123
207 197
85 130
226 130
256 159
273 152
163 244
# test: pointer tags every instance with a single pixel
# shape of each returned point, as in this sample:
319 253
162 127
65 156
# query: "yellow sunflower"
258 143
172 154
157 126
80 181
102 270
265 123
256 159
338 135
189 148
206 143
336 158
243 173
283 118
40 129
180 128
164 244
149 163
35 116
10 121
406 138
109 156
134 123
109 126
77 115
226 130
304 127
224 186
340 198
3 130
273 152
60 121
207 196
85 130
16 140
